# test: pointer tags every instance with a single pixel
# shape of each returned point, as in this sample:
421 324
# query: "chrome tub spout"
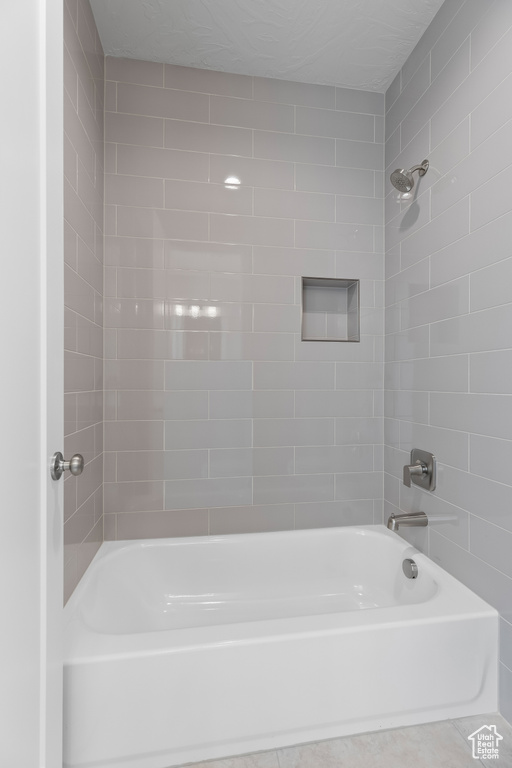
414 519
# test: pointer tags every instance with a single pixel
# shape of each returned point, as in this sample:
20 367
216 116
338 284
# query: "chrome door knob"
75 465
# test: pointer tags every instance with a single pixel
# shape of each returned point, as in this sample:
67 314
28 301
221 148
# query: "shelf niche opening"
330 309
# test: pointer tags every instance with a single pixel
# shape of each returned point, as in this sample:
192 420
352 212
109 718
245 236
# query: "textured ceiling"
353 43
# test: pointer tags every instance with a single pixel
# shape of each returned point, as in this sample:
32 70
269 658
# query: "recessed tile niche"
330 309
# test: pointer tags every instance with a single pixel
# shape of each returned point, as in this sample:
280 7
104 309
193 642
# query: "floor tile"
255 760
328 754
421 746
468 725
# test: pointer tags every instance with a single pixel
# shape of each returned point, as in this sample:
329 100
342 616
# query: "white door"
31 383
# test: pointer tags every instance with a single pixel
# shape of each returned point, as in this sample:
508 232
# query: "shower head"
403 180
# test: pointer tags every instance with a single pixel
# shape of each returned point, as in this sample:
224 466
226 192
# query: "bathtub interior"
178 583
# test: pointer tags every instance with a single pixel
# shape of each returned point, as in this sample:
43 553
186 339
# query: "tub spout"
408 519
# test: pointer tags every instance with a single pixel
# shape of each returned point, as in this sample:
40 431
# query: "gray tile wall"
449 298
218 418
83 286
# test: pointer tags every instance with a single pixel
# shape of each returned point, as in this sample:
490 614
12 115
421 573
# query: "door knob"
75 465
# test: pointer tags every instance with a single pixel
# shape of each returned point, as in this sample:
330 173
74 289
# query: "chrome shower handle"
415 470
421 470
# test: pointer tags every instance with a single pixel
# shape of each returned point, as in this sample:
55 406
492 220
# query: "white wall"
448 376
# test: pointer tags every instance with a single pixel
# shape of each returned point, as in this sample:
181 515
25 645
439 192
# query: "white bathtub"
180 650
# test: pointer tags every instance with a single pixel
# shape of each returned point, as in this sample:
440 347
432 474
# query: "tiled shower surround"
448 299
218 418
83 286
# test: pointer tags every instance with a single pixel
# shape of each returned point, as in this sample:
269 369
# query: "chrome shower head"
403 180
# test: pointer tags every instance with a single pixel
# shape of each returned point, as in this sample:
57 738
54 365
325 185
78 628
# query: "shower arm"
422 168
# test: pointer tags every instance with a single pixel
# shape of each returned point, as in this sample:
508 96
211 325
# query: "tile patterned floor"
435 745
